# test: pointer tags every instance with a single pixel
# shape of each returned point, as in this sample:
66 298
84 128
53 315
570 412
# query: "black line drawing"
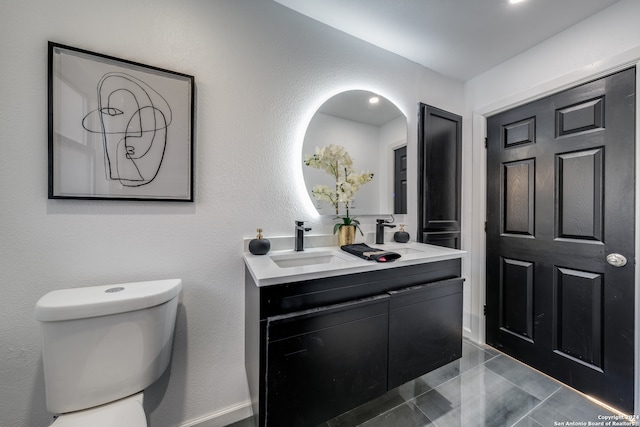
118 129
133 120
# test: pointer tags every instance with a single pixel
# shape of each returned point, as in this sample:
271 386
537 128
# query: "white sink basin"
301 259
406 250
413 250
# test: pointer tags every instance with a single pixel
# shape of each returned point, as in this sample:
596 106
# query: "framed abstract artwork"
118 129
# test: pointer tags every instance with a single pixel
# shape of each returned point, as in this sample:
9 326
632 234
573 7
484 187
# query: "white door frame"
477 255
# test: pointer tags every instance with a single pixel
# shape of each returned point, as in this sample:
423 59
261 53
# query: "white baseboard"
223 417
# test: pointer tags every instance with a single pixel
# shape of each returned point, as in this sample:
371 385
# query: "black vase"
259 246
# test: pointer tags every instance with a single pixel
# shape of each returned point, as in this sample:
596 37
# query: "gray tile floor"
483 389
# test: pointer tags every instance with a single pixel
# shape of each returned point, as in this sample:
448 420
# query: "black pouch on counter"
371 254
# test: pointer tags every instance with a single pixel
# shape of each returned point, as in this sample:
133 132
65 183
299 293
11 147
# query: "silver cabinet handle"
617 260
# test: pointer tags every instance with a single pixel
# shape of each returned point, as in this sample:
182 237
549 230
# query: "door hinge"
486 142
484 309
485 226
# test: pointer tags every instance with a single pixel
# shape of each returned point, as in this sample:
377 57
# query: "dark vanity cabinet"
317 348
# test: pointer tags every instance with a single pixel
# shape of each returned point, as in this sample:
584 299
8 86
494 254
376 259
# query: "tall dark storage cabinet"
439 176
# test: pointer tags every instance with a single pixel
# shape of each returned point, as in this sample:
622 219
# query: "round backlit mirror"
373 131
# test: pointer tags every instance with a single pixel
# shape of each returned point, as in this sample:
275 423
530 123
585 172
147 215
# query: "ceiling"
457 38
354 105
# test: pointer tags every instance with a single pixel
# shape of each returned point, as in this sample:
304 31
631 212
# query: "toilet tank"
103 343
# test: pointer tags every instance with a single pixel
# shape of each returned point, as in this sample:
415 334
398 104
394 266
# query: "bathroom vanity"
327 331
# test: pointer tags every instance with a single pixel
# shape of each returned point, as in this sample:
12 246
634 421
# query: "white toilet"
103 345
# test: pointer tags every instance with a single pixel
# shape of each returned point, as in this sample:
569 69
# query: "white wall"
593 47
260 71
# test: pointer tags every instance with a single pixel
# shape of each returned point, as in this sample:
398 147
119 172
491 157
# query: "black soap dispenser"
259 246
401 236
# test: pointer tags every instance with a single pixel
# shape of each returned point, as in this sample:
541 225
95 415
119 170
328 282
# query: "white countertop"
265 269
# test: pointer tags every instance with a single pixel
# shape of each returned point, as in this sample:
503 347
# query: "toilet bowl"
127 412
102 346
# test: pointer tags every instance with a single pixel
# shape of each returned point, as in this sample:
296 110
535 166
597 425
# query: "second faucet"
380 226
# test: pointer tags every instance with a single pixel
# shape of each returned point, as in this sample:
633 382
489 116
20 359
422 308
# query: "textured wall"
260 72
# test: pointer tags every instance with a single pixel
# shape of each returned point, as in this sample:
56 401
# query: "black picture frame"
118 129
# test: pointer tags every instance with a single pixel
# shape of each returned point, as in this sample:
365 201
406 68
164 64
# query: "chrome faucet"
300 229
380 226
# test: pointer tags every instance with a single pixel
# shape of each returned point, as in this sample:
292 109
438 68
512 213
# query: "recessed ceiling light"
515 1
374 100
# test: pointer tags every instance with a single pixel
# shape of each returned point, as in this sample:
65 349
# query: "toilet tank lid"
94 301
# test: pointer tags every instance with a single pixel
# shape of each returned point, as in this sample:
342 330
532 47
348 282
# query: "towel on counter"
367 252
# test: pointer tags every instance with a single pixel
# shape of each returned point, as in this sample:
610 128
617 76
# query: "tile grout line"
536 407
453 378
518 387
414 398
559 385
563 385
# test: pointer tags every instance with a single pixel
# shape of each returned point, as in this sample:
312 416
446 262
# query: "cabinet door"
425 329
325 361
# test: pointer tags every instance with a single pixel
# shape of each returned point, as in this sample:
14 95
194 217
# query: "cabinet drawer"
425 292
298 296
300 322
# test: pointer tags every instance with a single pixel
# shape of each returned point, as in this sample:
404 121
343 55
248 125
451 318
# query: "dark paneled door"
561 212
400 180
439 176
